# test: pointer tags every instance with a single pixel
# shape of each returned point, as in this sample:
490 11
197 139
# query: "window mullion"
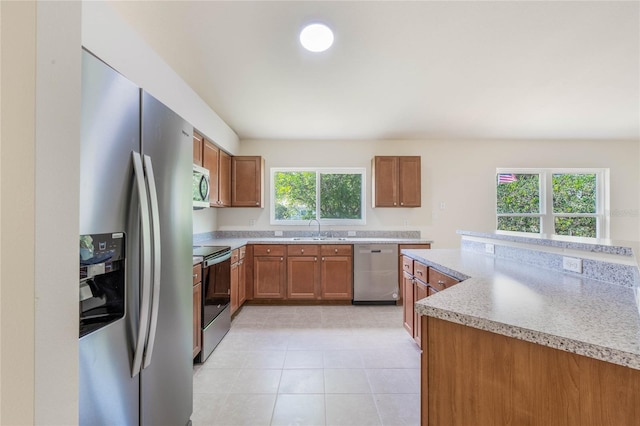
546 207
318 199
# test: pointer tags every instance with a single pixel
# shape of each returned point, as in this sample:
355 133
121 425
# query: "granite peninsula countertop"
563 311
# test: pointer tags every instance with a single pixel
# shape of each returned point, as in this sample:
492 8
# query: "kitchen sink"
318 239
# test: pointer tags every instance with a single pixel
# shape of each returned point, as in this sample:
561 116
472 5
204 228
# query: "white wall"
110 38
460 174
39 175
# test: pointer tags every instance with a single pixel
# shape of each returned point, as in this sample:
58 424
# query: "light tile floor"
311 365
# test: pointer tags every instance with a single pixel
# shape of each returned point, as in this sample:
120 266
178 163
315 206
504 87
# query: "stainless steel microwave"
200 187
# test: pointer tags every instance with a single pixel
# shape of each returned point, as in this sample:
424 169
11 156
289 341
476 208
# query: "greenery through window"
562 202
329 195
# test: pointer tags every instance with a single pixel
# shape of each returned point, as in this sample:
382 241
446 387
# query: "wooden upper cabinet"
218 163
409 178
197 148
224 180
247 183
396 181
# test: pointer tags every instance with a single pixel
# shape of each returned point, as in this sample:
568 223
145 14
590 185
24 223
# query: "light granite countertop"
563 311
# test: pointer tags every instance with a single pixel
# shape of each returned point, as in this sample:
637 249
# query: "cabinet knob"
281 259
301 250
195 275
323 259
315 259
402 204
441 282
335 250
257 203
268 250
394 204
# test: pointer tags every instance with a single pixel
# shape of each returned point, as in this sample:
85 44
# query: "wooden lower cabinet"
475 377
242 277
302 272
419 281
238 279
420 291
408 316
337 278
269 272
235 287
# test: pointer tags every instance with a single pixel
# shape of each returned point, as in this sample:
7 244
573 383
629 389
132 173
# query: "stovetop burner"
208 251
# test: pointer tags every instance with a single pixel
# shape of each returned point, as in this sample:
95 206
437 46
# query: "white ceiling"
407 69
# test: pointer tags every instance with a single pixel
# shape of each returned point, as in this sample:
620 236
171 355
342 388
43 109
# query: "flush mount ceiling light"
316 37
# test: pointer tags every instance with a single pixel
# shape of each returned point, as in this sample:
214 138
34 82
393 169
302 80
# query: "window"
332 196
553 201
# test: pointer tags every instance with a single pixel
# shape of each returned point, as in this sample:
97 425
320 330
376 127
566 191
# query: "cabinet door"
235 287
302 277
420 292
247 185
268 277
210 161
242 282
197 148
409 189
197 319
407 303
224 180
336 278
385 181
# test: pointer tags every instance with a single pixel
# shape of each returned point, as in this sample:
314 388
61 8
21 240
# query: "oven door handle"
216 260
145 275
155 238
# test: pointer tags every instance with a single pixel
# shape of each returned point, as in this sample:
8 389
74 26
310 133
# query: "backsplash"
307 233
611 272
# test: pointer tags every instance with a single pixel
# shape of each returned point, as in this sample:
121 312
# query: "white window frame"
547 222
320 170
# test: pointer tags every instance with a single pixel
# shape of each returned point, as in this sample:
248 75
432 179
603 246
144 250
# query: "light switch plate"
489 248
351 233
277 233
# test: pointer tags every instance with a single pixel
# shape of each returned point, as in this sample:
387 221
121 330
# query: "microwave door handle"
155 228
145 289
205 183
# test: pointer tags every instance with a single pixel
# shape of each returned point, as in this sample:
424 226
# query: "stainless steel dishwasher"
375 274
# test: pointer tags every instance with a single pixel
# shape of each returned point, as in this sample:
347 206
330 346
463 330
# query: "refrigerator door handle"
155 228
143 324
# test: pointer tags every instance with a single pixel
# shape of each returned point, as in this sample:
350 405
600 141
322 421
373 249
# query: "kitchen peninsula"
522 341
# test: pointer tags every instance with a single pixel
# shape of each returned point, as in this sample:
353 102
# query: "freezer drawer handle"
146 263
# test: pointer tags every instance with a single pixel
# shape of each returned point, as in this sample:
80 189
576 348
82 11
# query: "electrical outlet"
572 264
252 222
351 233
405 222
277 233
489 248
443 205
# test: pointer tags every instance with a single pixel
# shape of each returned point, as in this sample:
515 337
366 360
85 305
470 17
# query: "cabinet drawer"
420 271
407 265
242 251
336 250
302 250
235 256
197 274
269 250
438 279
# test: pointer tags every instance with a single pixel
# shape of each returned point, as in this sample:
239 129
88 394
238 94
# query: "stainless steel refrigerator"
136 178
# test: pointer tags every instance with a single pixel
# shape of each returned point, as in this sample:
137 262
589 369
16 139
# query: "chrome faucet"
316 220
